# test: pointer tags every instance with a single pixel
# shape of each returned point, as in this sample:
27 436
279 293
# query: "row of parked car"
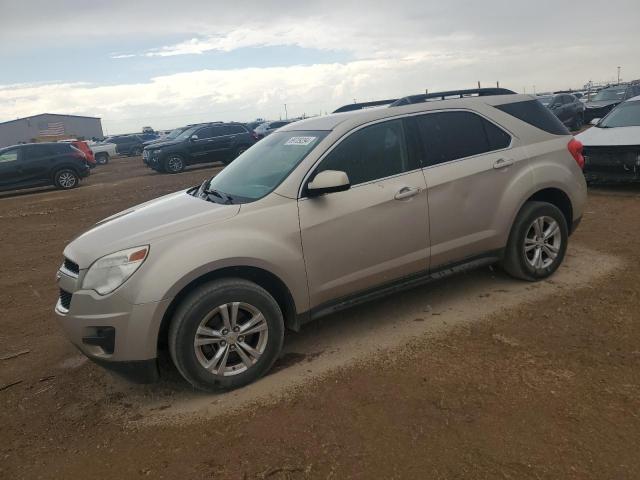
575 109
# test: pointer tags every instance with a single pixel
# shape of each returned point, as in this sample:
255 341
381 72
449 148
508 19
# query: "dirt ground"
478 376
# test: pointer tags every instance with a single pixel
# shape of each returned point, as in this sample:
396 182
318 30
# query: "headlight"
156 152
109 272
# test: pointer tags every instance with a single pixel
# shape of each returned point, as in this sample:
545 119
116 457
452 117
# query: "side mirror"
328 181
595 121
194 137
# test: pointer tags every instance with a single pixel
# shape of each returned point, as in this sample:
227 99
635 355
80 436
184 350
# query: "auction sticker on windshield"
300 141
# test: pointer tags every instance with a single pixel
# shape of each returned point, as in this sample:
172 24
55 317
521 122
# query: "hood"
602 103
616 136
141 224
161 144
153 142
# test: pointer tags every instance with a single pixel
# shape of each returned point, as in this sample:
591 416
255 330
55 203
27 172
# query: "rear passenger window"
448 136
536 114
371 153
208 132
39 151
234 129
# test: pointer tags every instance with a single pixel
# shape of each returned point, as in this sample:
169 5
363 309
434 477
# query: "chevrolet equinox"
319 216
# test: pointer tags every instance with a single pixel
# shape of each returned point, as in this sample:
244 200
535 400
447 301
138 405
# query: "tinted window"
626 114
39 151
277 124
450 136
534 113
371 153
234 129
9 156
207 132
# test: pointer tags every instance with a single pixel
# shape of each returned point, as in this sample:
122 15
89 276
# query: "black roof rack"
360 106
474 92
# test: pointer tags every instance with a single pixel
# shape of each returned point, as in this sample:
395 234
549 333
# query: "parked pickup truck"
103 151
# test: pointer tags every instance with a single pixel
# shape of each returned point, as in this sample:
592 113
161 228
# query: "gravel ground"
526 381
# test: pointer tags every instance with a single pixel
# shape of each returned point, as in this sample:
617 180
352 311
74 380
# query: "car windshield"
260 169
174 133
546 101
625 115
609 94
186 134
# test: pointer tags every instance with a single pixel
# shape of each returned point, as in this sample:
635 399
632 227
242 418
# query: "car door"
375 232
202 145
10 168
36 162
223 142
469 166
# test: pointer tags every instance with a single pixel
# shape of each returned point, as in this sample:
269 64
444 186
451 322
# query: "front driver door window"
375 232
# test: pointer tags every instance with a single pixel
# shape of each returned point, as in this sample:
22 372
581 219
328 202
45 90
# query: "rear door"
37 160
10 168
374 233
469 166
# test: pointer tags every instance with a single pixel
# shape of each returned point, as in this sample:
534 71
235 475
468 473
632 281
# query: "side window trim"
508 147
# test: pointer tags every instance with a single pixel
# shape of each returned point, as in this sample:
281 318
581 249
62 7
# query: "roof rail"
360 106
474 92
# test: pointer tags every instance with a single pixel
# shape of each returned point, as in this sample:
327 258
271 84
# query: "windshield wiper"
227 199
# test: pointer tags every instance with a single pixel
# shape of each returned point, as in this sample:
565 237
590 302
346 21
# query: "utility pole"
619 75
286 115
534 89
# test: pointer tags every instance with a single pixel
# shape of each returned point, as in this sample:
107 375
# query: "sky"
164 64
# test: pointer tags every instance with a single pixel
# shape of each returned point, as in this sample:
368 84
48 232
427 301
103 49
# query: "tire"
102 158
173 164
578 123
205 307
66 179
537 262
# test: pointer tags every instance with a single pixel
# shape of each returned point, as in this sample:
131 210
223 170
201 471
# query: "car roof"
359 117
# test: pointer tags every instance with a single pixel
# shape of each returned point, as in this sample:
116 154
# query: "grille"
65 299
71 266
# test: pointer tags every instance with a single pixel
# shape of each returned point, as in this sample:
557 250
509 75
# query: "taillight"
78 153
575 149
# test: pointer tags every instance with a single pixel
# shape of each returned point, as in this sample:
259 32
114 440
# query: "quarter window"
9 156
371 153
448 136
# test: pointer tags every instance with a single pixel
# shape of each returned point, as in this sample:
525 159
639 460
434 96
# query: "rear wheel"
102 158
173 164
226 334
66 179
537 243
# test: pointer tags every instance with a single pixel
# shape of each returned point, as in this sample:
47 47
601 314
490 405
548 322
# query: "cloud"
122 55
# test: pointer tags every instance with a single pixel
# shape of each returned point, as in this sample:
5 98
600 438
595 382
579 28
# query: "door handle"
502 163
406 192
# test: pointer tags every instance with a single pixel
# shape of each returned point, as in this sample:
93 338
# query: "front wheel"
173 164
226 334
537 243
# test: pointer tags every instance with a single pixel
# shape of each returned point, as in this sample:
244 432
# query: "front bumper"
612 163
110 329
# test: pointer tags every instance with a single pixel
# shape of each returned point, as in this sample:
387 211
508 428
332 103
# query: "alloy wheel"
231 339
67 180
174 164
542 242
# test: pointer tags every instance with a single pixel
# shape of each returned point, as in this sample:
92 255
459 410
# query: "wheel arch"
265 279
558 198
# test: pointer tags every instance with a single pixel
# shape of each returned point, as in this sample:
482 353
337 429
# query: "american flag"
51 129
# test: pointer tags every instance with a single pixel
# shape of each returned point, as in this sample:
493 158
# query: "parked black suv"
605 100
131 145
39 164
566 107
199 144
